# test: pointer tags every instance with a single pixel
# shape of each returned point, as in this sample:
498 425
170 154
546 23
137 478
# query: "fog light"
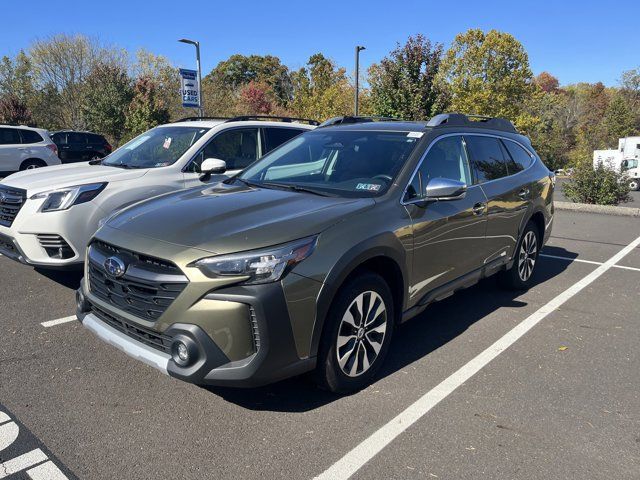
183 352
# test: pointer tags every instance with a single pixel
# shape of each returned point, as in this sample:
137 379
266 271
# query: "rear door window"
237 147
274 137
519 159
75 137
487 157
9 136
30 136
59 138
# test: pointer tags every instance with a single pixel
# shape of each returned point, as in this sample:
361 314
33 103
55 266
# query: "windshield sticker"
369 187
414 134
162 164
167 143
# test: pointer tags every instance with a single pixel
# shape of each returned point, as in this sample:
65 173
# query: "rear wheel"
31 164
519 276
634 184
357 334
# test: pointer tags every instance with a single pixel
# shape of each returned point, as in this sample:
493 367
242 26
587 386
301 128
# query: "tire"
31 164
520 275
634 185
95 157
358 345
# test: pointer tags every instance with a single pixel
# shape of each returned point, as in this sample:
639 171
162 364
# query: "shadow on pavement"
436 326
67 278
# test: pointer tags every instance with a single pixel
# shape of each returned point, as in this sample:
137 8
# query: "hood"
59 176
227 219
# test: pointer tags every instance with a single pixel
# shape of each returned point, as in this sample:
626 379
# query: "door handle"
479 208
524 193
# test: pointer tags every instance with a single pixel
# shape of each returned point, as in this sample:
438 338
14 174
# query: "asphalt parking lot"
487 383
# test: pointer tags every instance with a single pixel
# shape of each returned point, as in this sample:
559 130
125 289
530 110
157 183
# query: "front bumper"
275 356
29 238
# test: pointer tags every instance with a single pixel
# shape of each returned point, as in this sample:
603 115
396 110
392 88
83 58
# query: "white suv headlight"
261 266
64 198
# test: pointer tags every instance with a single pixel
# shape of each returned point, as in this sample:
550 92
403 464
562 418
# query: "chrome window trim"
462 134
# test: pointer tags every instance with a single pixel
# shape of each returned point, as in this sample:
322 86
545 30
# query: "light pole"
358 49
197 45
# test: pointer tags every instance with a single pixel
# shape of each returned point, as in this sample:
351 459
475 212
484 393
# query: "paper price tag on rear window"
167 143
414 135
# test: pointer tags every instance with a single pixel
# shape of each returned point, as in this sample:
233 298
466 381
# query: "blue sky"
576 41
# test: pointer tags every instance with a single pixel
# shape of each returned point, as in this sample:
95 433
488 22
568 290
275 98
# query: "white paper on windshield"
414 134
167 143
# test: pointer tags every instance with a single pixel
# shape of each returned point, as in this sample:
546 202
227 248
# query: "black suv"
80 146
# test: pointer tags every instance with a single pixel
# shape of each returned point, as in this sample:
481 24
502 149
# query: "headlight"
65 198
261 266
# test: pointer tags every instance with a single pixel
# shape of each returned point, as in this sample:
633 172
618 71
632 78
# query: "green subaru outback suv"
310 258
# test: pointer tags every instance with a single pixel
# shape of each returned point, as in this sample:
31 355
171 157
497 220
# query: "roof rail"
195 119
463 120
359 119
244 118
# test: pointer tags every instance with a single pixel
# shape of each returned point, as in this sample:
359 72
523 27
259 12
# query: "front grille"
55 246
144 335
147 288
11 201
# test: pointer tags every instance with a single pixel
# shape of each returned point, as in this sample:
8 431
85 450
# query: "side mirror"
213 165
444 189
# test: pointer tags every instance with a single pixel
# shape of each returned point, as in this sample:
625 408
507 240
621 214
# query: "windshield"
340 162
630 164
159 147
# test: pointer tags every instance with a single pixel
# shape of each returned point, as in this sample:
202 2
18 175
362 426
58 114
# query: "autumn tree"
547 82
403 83
14 111
146 109
321 90
487 74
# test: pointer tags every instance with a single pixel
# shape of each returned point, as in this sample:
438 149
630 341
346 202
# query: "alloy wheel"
527 255
361 333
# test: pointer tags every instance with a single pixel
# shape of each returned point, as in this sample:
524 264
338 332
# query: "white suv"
47 216
24 148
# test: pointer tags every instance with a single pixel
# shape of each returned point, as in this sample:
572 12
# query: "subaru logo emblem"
114 266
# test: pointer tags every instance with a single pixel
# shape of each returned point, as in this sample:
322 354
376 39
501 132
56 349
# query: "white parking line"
59 321
369 448
591 262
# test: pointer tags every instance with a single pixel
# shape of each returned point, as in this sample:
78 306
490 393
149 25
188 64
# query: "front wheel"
519 276
357 334
634 185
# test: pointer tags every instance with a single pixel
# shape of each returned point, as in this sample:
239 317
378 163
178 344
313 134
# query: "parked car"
310 257
26 148
80 146
47 218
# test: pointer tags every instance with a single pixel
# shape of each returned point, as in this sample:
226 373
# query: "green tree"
108 93
619 120
146 109
403 84
487 74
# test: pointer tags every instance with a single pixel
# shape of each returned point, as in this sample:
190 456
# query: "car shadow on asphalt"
440 323
67 278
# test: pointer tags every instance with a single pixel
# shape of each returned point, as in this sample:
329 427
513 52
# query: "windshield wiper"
241 180
295 188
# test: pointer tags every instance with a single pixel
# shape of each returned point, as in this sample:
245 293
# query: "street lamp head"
360 48
186 40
